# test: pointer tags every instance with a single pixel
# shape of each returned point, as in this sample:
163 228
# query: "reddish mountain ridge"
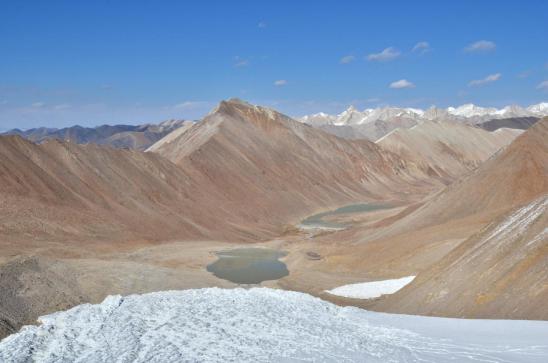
269 167
240 174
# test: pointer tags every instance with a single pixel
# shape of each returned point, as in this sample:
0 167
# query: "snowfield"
372 289
264 325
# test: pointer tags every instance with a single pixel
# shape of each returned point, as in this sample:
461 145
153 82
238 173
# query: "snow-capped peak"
539 109
513 111
417 111
468 112
471 110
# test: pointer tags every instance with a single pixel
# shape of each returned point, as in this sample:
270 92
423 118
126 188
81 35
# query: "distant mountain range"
371 124
374 123
138 137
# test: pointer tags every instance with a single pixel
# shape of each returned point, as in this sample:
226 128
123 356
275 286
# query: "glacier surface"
263 325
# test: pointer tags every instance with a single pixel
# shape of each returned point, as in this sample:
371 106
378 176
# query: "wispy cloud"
543 85
240 62
524 74
106 87
481 46
189 105
262 24
421 47
489 79
280 82
373 100
38 104
62 106
387 54
347 59
402 83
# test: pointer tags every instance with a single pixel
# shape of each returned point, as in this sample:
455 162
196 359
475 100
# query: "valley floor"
59 276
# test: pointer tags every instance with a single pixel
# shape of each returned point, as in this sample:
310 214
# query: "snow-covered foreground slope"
260 325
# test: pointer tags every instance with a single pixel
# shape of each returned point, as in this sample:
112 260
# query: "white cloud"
63 106
387 54
38 104
280 82
489 79
421 47
240 62
262 24
402 83
347 59
481 46
189 105
543 85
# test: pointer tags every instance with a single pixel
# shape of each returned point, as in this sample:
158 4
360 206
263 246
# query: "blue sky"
96 62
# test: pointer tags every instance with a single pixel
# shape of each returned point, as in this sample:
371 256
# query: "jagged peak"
467 111
236 105
238 101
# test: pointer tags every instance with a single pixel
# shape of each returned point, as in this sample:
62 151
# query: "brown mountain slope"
411 241
242 174
514 176
268 167
61 190
448 149
500 211
501 271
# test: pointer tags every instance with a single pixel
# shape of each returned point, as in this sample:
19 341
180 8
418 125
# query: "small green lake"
249 265
317 220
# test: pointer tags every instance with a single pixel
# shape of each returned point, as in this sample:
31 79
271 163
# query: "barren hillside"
507 262
269 167
448 149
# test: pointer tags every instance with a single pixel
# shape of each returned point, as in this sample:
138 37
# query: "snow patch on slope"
371 290
263 325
